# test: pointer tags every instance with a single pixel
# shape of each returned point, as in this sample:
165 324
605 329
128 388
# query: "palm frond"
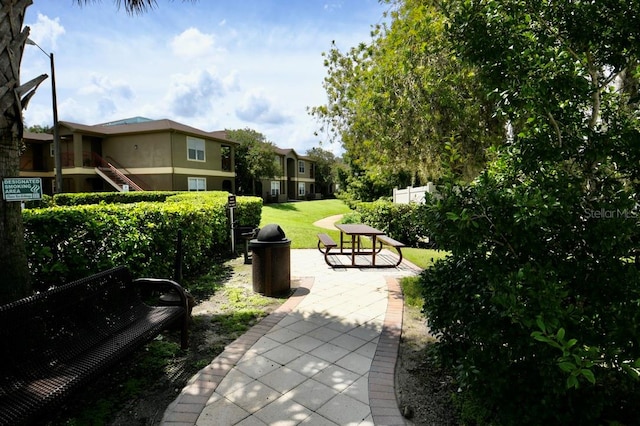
131 6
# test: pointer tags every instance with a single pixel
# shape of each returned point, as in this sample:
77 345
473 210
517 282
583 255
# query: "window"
301 166
197 184
225 154
275 188
195 149
301 189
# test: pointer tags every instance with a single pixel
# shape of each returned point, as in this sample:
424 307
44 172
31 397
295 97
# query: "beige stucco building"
296 180
137 153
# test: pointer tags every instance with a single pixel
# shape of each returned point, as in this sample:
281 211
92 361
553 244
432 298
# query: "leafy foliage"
403 222
141 236
396 102
254 159
326 166
537 307
80 198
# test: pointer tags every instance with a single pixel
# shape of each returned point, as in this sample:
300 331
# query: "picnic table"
356 231
351 245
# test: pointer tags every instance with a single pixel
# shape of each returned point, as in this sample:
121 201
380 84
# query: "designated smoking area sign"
21 189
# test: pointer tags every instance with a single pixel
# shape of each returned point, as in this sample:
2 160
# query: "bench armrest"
170 285
164 285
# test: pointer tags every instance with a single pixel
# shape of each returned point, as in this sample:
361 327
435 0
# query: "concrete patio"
325 357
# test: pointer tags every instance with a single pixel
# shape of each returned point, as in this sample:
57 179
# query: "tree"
397 103
326 173
536 307
14 97
254 159
40 129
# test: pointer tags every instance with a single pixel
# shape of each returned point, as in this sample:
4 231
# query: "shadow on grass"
284 206
203 286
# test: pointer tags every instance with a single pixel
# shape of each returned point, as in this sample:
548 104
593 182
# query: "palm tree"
14 97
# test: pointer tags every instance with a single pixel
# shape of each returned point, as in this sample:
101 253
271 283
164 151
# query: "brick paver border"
382 391
186 409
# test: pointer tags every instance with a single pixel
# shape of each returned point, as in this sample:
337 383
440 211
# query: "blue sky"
211 64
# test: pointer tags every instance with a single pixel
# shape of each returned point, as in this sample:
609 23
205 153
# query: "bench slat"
397 245
390 241
327 241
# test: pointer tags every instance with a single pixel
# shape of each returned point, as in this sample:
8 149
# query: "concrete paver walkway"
325 357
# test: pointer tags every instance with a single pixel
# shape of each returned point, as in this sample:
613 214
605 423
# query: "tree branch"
594 73
554 123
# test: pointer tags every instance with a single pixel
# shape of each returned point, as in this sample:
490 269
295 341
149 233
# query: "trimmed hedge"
46 201
247 211
403 222
82 198
70 242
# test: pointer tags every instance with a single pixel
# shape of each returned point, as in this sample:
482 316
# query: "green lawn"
297 218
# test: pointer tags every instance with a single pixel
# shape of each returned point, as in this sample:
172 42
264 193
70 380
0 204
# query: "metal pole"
233 232
56 137
57 154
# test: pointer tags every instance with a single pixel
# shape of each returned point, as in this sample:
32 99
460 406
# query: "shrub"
80 198
351 217
69 242
246 213
46 201
537 306
403 222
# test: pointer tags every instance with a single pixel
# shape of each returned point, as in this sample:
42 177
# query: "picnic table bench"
59 340
327 242
388 241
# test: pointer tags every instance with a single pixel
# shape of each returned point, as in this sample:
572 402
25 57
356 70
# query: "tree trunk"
14 282
14 279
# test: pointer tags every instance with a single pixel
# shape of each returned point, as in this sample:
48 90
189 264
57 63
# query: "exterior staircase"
113 176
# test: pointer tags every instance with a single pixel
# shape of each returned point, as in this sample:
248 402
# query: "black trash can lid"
271 232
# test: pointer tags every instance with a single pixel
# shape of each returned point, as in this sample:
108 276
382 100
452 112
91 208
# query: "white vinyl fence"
411 194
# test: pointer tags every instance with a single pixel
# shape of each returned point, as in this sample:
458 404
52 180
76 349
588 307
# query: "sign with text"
231 201
21 189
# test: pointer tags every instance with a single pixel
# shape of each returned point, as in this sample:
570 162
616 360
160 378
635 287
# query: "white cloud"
46 30
103 85
106 107
257 108
231 81
192 43
193 94
77 112
330 7
210 65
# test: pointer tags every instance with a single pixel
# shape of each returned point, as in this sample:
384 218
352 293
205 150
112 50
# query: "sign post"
21 189
231 203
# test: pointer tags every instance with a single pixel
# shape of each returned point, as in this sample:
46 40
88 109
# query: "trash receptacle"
271 261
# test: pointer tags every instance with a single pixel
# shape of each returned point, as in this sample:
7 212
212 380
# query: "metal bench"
325 244
388 241
55 342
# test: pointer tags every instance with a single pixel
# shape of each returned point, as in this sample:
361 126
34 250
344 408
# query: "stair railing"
106 165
